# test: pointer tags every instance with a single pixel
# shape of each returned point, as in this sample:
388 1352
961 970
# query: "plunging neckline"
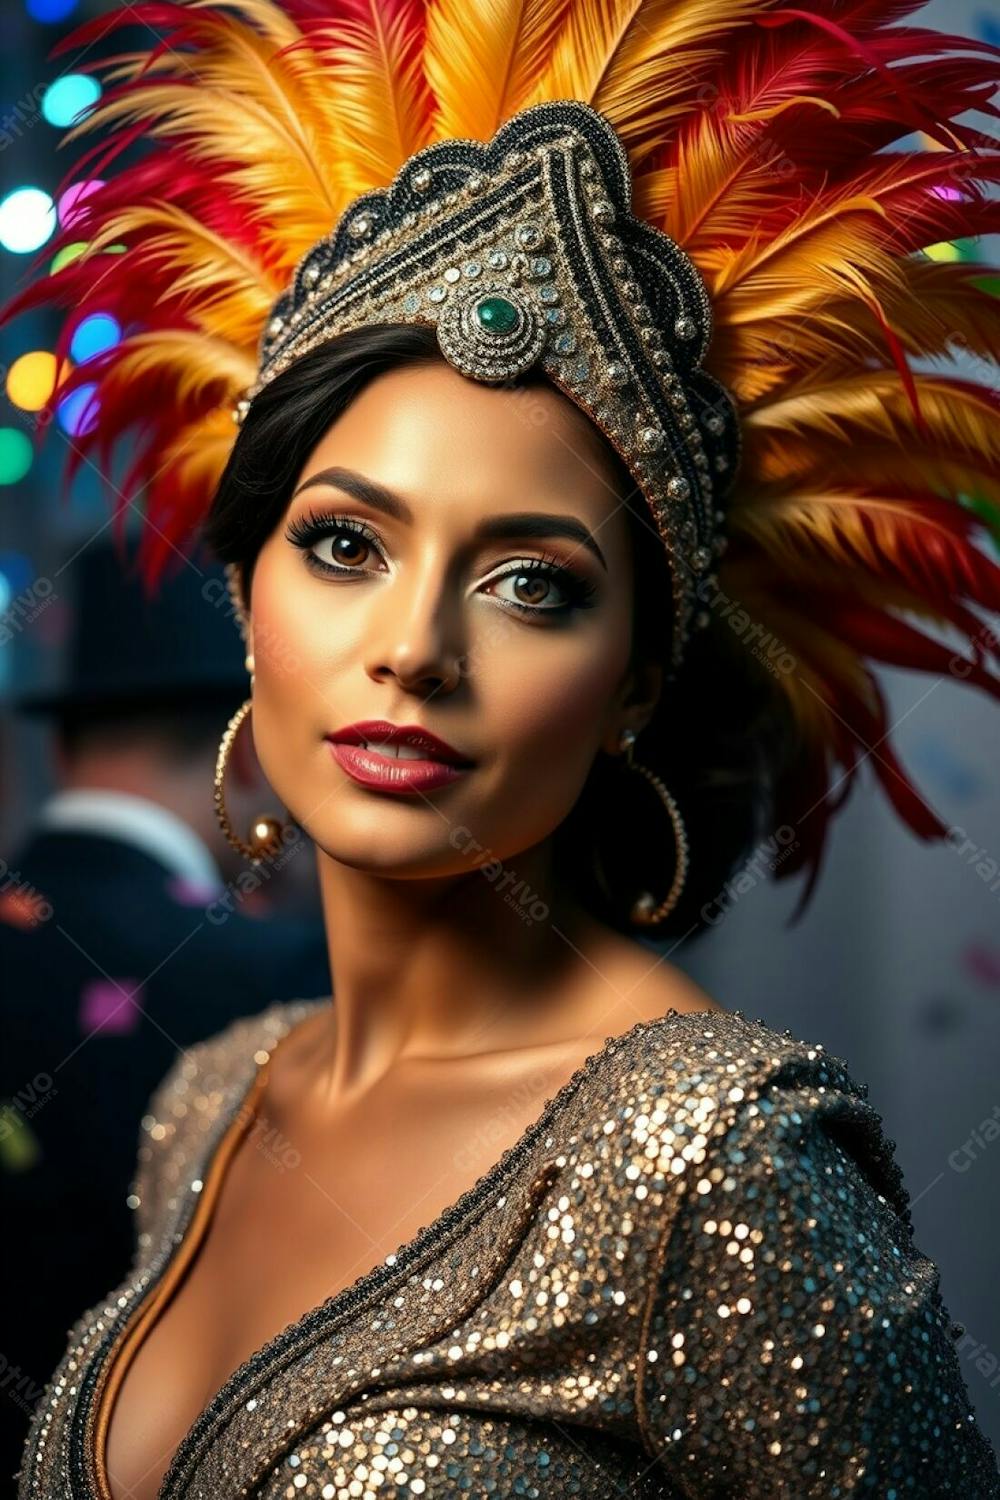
240 1119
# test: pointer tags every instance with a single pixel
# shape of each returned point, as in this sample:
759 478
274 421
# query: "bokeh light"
96 333
68 96
27 219
70 204
70 252
66 254
50 10
76 413
951 250
31 379
15 455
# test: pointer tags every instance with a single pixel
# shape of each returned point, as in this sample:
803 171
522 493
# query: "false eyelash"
317 525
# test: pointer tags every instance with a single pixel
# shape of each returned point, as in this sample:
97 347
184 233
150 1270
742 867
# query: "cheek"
286 641
304 635
543 709
546 721
292 672
549 714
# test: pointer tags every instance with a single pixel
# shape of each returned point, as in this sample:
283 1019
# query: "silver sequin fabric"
693 1276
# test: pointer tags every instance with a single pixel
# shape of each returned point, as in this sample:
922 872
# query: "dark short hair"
719 733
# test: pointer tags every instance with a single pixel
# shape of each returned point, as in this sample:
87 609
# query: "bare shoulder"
647 984
660 986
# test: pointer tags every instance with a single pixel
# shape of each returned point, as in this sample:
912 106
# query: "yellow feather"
380 103
269 123
932 306
289 90
482 59
870 406
877 547
196 364
198 453
270 174
228 293
640 62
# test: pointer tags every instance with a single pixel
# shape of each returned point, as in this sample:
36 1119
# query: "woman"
524 1210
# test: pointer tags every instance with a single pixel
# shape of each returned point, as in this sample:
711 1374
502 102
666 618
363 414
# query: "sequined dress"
693 1276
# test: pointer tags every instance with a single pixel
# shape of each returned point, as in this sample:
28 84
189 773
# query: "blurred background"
128 927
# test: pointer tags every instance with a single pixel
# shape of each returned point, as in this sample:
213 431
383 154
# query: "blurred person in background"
129 929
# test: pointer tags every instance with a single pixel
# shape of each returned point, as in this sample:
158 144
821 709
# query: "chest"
294 1218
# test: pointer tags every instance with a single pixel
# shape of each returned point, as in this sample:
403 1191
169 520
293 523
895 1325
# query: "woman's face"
470 573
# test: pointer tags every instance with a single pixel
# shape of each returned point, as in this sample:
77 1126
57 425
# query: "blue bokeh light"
68 96
50 11
96 333
72 413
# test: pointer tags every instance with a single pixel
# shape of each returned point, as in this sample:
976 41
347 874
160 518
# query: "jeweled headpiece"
813 174
525 252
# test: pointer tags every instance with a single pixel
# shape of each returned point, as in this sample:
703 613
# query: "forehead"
431 432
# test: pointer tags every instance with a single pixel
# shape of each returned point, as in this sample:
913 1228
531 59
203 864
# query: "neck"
445 967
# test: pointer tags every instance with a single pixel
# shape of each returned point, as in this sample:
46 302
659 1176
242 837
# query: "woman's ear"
635 702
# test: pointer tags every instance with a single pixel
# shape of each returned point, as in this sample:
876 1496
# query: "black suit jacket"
96 998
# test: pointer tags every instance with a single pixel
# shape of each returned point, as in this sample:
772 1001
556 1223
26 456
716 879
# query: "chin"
377 846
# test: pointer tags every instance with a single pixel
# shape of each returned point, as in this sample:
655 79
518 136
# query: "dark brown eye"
531 589
349 543
541 586
348 549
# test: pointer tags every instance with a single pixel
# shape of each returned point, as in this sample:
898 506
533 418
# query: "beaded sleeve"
795 1343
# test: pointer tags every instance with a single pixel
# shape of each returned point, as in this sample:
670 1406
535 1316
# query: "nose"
417 635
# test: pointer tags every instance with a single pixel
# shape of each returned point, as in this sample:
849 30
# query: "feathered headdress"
764 139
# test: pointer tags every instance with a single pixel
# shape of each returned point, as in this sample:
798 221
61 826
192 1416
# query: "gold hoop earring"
645 911
266 832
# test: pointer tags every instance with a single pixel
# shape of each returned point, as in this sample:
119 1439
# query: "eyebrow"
518 524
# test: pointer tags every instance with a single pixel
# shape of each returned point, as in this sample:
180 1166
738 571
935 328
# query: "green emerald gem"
497 315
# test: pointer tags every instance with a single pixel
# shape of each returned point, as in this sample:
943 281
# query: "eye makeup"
314 527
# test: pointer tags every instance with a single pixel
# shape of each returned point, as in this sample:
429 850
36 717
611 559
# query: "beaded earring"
267 833
645 911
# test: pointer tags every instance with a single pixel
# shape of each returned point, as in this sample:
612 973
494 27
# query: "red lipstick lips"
371 752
